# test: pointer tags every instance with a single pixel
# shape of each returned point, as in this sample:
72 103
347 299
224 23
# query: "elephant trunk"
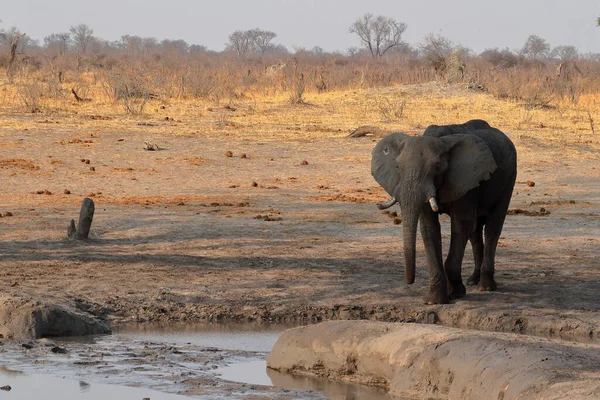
410 218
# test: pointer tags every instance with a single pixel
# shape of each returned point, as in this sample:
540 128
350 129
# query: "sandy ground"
186 233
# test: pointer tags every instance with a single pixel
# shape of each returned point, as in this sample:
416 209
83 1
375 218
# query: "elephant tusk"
387 204
434 205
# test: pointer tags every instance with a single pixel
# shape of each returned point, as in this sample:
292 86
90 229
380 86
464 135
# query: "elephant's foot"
473 279
456 289
437 296
487 284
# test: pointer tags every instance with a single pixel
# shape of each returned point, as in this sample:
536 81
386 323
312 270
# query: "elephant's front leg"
432 239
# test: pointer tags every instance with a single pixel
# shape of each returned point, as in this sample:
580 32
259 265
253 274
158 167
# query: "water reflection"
232 336
256 373
35 387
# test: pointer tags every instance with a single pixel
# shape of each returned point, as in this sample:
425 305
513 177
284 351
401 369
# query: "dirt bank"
440 363
23 318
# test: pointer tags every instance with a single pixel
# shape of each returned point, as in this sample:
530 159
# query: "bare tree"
535 48
262 39
10 36
82 37
13 53
241 42
251 41
58 42
565 53
378 34
436 49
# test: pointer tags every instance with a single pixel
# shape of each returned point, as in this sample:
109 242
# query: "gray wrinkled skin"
467 171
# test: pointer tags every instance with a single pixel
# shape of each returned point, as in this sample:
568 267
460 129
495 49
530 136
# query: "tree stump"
86 215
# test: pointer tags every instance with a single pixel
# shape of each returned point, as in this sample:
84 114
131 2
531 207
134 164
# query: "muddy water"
215 360
35 387
245 337
256 372
258 338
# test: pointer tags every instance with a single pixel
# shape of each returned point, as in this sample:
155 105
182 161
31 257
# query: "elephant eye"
386 150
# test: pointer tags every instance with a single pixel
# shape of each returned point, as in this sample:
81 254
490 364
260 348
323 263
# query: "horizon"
472 27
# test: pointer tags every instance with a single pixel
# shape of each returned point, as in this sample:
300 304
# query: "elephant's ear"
470 161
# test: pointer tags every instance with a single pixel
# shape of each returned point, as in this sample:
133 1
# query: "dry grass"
409 108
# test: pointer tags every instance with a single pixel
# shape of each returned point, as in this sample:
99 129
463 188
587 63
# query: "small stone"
304 162
228 154
243 155
66 191
47 192
6 388
397 221
92 169
254 184
87 161
58 350
27 346
530 183
7 214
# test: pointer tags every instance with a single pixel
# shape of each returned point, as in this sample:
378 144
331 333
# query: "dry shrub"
390 109
131 88
32 96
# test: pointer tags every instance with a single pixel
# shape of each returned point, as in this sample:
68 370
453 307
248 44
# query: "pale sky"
477 24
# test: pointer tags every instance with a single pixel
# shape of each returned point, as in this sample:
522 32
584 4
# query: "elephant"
467 171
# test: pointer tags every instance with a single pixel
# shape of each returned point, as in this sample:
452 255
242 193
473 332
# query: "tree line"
378 36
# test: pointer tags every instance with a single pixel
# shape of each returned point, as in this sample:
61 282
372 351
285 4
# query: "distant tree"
82 37
378 34
131 44
565 53
535 48
178 46
500 58
58 42
241 42
352 50
251 41
261 40
197 48
23 41
435 50
317 50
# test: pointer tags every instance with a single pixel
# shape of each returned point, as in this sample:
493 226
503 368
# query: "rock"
228 154
30 319
243 155
58 350
530 183
92 169
7 214
304 162
254 184
66 191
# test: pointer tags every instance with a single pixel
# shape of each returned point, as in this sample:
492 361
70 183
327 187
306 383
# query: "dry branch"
367 130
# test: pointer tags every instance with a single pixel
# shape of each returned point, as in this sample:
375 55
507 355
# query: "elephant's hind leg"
493 229
476 240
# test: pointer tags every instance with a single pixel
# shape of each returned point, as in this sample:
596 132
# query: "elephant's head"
424 170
